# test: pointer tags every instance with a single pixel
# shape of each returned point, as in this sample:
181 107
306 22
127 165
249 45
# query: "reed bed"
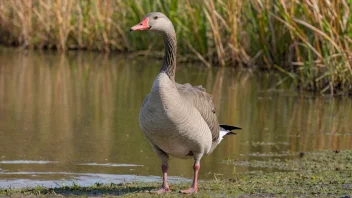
308 40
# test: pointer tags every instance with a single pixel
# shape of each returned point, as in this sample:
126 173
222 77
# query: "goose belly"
177 142
179 136
176 147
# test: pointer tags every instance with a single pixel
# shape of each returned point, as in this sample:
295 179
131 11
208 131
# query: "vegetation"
309 40
323 174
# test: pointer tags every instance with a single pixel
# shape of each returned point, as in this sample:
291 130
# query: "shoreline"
323 173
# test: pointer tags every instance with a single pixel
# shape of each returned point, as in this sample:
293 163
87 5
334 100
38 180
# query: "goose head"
154 21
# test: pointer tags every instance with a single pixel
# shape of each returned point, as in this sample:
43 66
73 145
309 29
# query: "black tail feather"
229 127
230 133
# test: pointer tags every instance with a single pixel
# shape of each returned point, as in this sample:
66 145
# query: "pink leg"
165 187
194 188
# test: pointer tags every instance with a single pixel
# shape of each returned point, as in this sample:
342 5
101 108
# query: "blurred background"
307 40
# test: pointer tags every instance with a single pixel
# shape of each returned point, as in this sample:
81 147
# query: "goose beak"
143 25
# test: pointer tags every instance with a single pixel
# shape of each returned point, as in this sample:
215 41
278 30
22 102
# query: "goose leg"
165 186
164 168
194 188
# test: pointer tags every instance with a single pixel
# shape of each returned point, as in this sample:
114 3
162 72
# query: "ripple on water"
26 162
270 154
82 179
109 165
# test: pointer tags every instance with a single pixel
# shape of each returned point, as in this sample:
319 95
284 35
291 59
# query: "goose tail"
227 130
224 131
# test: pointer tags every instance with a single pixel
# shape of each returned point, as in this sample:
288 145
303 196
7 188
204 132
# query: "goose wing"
202 101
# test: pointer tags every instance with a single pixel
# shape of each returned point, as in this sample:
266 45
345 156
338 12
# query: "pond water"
74 117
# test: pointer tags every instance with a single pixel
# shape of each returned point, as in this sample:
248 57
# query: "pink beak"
143 25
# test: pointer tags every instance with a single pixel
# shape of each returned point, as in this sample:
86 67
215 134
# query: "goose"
177 119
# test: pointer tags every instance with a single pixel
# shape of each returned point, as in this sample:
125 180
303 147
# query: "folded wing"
202 101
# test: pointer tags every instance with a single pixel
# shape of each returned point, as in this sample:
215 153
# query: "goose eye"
156 17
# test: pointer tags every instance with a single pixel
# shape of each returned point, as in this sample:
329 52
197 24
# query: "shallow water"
74 117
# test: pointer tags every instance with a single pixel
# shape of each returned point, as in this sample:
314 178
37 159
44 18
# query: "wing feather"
202 101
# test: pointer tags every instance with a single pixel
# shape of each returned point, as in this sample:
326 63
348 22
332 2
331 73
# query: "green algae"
320 174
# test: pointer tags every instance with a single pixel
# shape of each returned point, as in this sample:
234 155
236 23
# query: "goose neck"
170 44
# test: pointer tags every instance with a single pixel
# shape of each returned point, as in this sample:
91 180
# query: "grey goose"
177 119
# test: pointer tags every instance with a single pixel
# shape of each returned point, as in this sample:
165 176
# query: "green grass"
321 174
309 41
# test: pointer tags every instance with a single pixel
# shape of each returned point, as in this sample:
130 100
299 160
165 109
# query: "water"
75 118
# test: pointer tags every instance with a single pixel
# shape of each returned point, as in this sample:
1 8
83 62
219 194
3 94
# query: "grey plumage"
177 119
202 101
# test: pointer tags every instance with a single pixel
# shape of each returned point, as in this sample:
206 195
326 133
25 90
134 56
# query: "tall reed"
309 40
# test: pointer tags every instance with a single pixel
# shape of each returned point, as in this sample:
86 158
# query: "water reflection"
82 108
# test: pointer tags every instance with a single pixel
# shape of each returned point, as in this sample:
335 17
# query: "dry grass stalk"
307 39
